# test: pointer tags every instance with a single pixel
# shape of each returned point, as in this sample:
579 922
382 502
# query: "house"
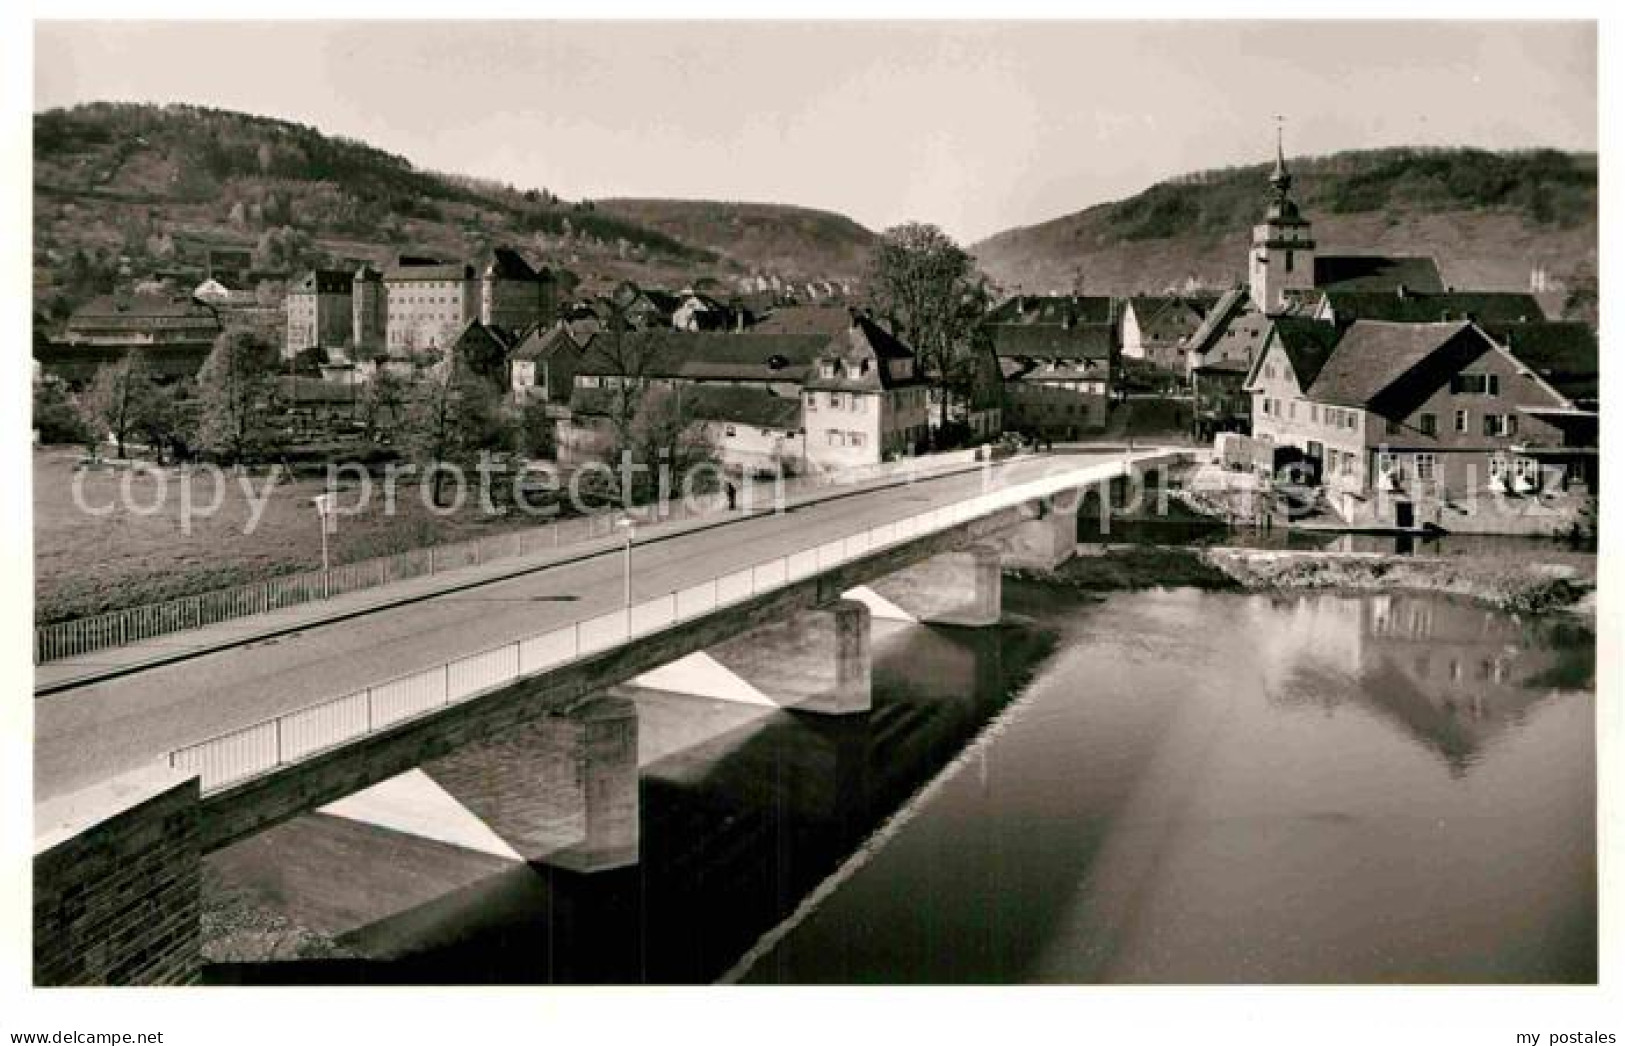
1422 413
701 312
867 402
1057 379
1158 329
319 311
1053 310
515 296
543 365
809 399
174 333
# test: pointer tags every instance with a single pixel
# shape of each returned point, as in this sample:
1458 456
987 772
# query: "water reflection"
1449 673
1182 786
1218 788
743 813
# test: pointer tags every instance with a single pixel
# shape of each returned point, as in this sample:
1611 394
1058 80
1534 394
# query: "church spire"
1281 179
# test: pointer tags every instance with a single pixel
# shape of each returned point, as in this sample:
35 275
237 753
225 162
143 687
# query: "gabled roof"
1373 355
1307 343
1229 303
145 310
743 404
1053 310
1563 354
1083 341
805 319
863 341
702 355
509 264
1355 272
1168 318
1414 307
540 343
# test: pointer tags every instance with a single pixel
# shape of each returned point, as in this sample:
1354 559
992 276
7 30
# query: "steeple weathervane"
1281 179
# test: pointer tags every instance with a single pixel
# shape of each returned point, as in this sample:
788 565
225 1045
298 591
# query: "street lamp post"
324 514
625 523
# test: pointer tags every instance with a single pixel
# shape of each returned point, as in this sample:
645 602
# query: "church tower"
1283 251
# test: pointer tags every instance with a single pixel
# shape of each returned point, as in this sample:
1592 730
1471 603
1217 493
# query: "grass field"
88 564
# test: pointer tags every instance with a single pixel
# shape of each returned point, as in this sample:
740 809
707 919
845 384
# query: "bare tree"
235 391
453 415
931 290
120 398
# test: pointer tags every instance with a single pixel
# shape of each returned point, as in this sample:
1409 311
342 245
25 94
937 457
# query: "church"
1400 397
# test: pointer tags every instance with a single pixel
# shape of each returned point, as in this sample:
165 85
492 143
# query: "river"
1150 787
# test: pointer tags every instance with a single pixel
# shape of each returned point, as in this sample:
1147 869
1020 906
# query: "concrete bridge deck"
102 729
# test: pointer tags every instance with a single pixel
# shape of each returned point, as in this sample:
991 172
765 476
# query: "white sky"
974 126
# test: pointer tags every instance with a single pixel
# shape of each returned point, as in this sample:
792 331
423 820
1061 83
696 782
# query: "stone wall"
117 886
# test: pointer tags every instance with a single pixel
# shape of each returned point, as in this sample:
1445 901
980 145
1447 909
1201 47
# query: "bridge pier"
1047 537
562 789
118 871
815 661
963 588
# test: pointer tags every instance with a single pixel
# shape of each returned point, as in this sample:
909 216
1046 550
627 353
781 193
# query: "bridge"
510 694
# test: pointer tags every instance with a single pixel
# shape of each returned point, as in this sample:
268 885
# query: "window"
812 401
854 439
1476 385
1425 466
1314 413
1428 424
1288 261
729 431
1500 425
836 439
1394 427
835 400
1461 421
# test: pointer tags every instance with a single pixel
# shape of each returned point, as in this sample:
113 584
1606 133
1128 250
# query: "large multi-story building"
318 309
427 304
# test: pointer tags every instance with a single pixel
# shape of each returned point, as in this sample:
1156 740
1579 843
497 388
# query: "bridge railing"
65 639
260 748
121 627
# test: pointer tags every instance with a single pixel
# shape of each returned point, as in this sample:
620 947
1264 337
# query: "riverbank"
1525 586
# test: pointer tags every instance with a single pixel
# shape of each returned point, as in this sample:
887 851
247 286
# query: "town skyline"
928 90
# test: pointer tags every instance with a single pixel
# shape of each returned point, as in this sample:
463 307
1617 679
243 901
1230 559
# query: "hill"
1488 217
126 190
798 243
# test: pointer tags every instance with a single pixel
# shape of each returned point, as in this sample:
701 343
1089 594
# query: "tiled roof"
414 269
1166 319
1373 355
144 310
736 403
704 355
1053 310
1410 307
1563 354
544 342
1308 344
1217 317
1083 341
805 319
509 264
1353 272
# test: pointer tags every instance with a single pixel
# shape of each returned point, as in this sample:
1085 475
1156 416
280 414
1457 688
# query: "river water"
1156 786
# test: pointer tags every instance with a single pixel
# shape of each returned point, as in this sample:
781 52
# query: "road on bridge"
93 732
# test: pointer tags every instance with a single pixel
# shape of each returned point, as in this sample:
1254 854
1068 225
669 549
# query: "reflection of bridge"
773 609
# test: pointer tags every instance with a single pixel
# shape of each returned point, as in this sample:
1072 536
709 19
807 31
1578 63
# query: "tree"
381 406
163 422
453 415
930 289
57 419
120 398
235 388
